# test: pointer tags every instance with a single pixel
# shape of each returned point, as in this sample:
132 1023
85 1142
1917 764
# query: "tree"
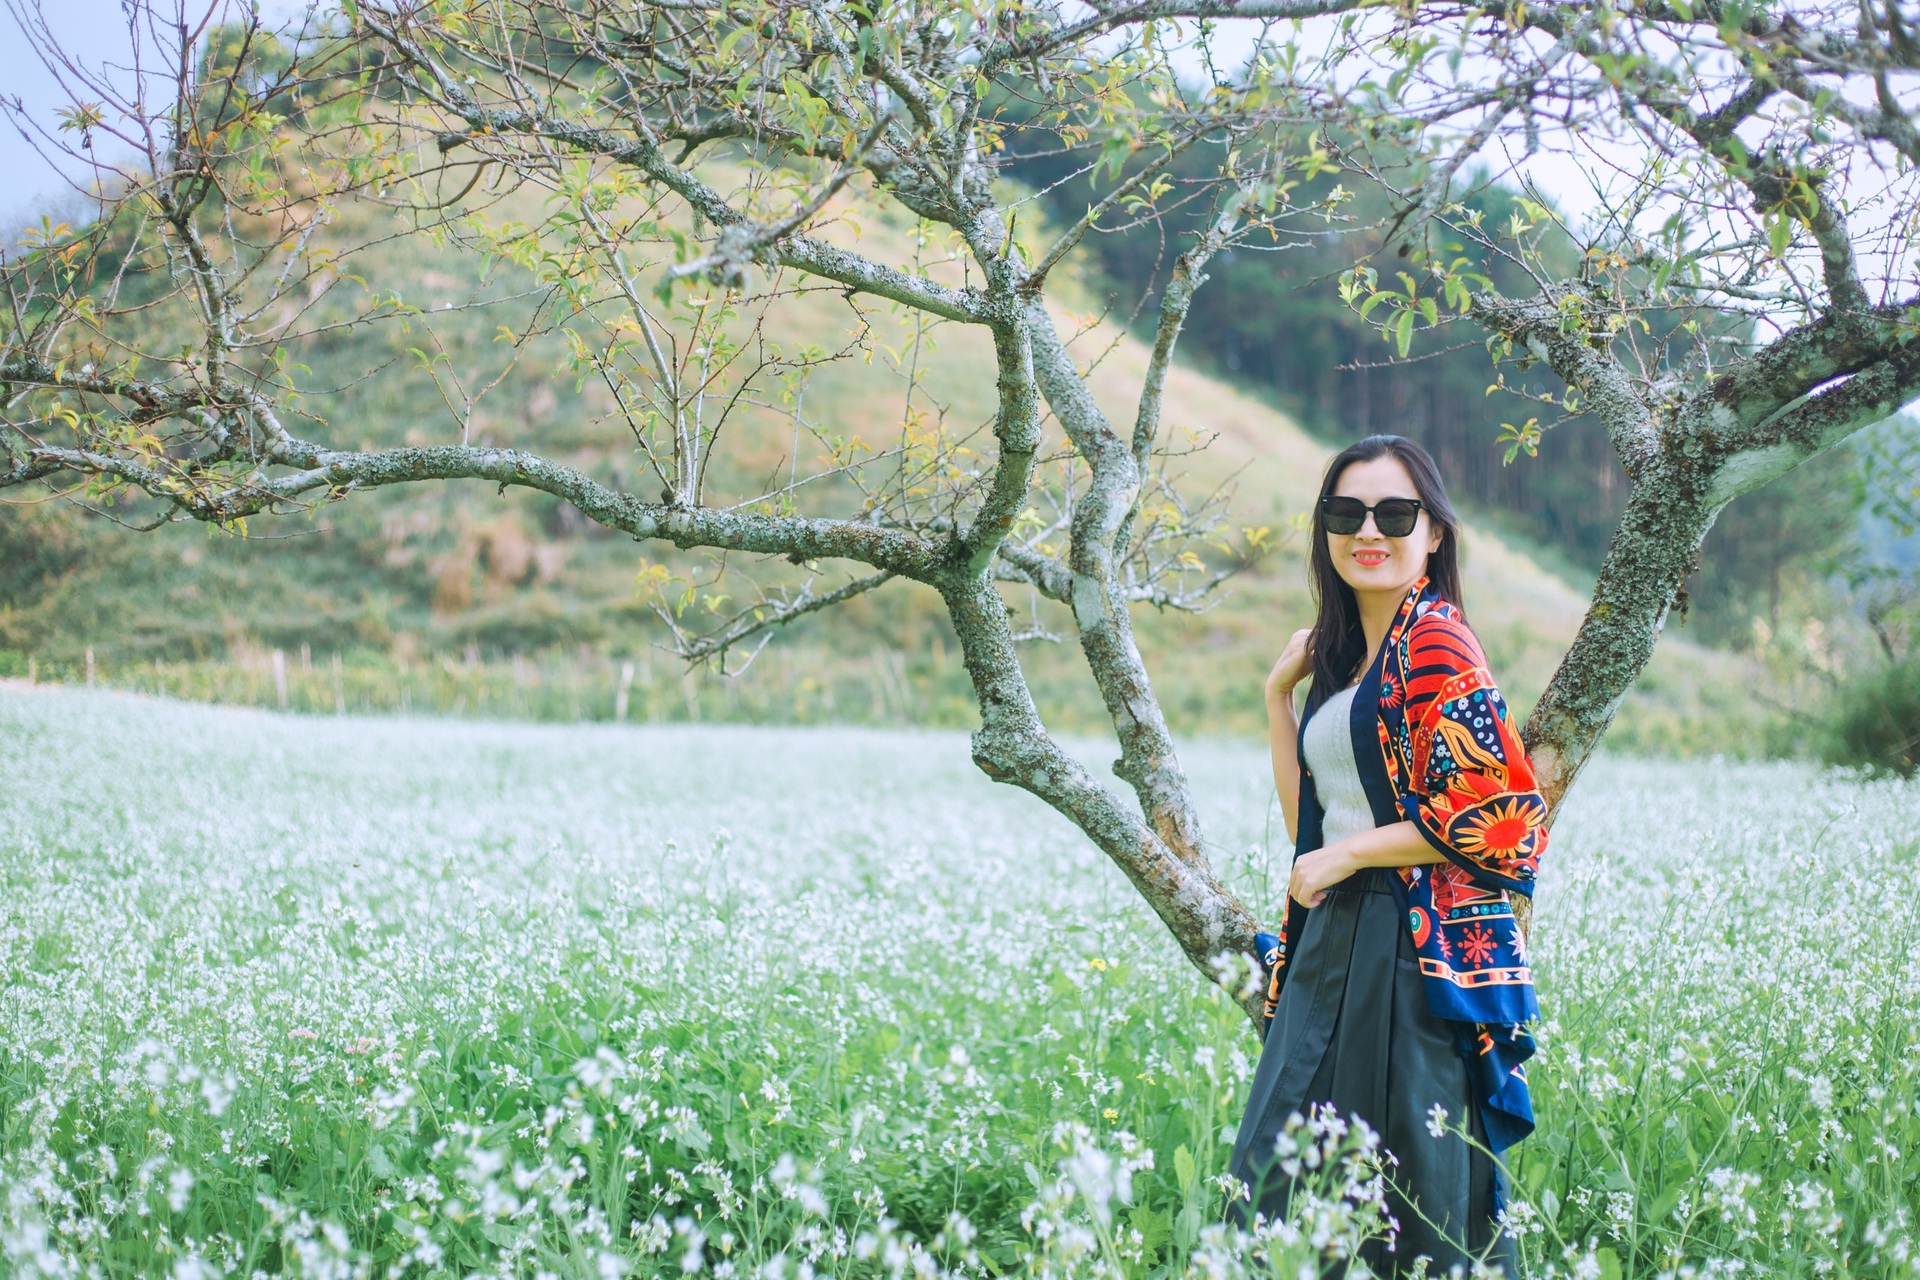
1735 306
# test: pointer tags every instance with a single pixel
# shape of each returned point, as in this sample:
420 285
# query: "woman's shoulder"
1438 635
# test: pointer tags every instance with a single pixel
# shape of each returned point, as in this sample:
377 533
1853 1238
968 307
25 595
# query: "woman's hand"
1314 872
1294 663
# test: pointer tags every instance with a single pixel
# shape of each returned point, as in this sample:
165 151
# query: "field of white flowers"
335 997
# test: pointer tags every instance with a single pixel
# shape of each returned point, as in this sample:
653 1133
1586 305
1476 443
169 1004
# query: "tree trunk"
1012 746
1650 555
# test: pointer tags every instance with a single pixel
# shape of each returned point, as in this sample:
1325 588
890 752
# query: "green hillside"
454 597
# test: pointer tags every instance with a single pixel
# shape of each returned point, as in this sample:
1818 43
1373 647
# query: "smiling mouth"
1370 558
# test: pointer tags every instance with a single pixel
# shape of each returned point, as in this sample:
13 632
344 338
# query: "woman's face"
1369 561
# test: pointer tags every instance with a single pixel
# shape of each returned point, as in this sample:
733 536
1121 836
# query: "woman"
1399 982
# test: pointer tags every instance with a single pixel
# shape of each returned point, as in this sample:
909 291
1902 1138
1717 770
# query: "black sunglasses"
1394 517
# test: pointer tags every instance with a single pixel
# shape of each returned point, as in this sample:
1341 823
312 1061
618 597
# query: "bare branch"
1755 389
332 474
769 616
741 240
1041 572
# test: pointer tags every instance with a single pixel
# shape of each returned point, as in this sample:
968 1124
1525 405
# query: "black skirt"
1353 1029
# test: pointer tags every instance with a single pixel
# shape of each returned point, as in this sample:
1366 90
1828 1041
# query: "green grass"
339 996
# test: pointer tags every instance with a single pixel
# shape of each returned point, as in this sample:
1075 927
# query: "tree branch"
747 241
1041 572
1148 760
1753 390
333 473
1189 273
1016 427
1065 242
1770 184
1773 187
1889 124
1816 422
1537 324
1108 18
761 619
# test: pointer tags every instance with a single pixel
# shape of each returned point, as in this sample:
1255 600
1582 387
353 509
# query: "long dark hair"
1339 645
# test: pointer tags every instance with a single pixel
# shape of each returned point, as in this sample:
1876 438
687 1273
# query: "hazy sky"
95 32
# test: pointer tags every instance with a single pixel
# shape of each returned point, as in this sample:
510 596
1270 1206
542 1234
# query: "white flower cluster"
1730 1063
1337 1204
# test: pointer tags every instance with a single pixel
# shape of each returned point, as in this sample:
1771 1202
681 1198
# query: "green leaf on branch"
1524 438
1779 232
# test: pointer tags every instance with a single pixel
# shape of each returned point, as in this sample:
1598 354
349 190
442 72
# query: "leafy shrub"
1876 721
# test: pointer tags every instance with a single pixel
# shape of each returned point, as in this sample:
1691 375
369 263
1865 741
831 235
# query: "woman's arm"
1283 738
1283 729
1398 844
